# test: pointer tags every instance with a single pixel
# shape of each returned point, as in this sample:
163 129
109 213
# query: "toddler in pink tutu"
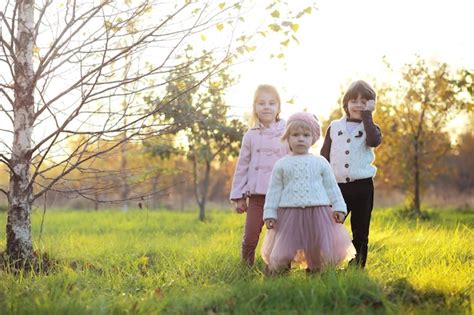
302 225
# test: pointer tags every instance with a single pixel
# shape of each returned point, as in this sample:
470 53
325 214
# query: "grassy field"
110 262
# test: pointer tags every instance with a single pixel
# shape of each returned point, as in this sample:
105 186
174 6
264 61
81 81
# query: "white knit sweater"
302 181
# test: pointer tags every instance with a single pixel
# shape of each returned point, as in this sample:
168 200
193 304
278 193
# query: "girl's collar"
259 125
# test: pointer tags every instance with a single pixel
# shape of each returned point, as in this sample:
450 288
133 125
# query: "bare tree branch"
4 192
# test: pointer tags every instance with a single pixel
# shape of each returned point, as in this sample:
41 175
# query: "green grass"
110 262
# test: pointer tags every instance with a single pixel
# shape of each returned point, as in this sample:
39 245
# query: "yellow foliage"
295 27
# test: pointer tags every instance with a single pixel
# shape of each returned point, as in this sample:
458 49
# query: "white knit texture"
350 159
302 181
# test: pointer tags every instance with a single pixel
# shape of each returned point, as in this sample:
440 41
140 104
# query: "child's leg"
361 206
253 227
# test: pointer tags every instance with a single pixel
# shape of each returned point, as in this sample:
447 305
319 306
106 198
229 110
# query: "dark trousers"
359 197
253 227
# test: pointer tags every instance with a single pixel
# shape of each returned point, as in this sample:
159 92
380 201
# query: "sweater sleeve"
239 183
326 149
374 135
274 192
332 189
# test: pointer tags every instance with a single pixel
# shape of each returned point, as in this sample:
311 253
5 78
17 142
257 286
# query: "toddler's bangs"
295 125
298 124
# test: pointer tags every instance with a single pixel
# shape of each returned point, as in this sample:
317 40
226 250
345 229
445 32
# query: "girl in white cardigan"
302 226
349 148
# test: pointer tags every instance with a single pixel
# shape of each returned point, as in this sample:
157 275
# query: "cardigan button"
348 179
348 140
347 152
346 165
256 168
258 150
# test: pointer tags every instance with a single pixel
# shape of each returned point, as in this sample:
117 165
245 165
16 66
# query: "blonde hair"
293 125
261 89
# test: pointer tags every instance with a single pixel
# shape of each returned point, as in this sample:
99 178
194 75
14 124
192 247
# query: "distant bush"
409 213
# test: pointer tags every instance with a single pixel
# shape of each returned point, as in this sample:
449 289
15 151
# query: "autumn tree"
413 116
211 136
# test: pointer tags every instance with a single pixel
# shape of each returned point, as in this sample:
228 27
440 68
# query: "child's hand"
240 205
339 216
270 223
370 105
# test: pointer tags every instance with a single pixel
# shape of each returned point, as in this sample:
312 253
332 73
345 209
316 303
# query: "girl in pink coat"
261 148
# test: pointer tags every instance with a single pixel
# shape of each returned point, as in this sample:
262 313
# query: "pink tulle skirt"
308 236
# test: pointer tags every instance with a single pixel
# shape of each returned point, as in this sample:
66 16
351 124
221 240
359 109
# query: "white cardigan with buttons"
351 159
302 181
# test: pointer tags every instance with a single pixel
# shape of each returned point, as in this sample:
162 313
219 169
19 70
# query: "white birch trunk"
19 241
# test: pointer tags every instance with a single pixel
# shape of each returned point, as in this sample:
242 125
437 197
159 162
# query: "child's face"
300 140
267 108
356 106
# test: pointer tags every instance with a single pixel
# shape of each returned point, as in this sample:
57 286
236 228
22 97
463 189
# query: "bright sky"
346 40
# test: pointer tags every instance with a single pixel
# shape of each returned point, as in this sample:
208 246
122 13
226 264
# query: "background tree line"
418 156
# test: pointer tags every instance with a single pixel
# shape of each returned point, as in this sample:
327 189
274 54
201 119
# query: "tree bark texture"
20 197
